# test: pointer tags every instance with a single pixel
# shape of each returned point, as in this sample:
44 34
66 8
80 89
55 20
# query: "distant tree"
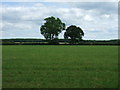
52 28
74 33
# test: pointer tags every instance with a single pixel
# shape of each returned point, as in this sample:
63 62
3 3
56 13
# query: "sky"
99 20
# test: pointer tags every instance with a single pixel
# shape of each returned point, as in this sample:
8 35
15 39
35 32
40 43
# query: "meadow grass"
27 66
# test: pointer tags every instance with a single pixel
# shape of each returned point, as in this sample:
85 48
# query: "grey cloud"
93 21
109 7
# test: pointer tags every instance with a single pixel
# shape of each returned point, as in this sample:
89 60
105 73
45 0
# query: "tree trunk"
52 36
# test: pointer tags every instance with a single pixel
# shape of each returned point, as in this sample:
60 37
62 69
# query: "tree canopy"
52 28
74 33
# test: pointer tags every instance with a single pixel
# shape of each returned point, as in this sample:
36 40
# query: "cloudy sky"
99 20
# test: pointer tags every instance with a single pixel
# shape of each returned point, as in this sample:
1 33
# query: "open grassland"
60 66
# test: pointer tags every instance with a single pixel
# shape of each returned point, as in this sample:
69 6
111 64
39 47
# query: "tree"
52 28
74 33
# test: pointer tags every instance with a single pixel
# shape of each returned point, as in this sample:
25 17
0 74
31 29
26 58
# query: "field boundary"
58 42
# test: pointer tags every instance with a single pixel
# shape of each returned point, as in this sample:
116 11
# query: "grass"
60 66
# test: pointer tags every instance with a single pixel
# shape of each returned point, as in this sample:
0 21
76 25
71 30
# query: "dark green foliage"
54 41
52 28
74 33
59 41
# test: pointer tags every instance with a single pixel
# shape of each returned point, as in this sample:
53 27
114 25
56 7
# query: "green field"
60 66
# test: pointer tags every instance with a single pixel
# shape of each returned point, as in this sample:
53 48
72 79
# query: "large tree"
74 33
52 28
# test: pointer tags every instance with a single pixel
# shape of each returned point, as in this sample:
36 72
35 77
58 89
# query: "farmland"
50 66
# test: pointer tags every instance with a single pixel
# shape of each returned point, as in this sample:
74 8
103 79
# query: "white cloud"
24 21
88 18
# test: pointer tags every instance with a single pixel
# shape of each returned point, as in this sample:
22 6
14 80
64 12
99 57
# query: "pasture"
50 66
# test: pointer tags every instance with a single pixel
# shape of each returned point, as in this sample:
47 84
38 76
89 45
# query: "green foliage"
31 66
56 41
52 28
75 33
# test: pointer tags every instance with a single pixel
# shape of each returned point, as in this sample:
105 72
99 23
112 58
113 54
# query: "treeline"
51 30
59 42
